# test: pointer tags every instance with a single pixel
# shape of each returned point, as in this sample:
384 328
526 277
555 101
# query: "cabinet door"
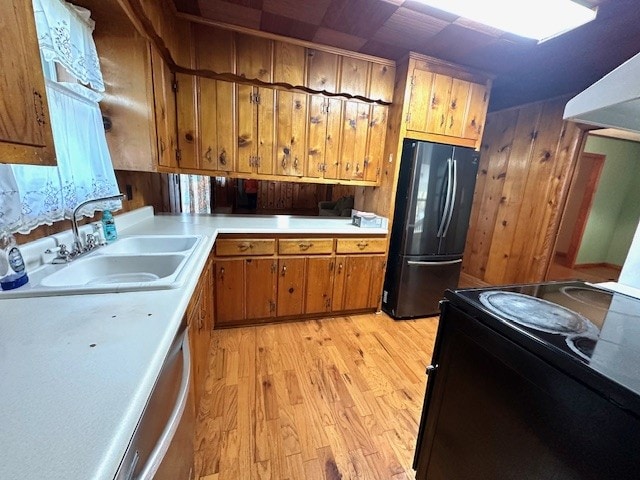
420 99
319 284
25 125
291 273
358 282
439 104
375 142
291 133
332 140
216 131
382 82
377 279
354 140
266 130
322 70
339 283
476 111
229 291
253 57
457 107
288 63
317 131
261 282
247 127
165 110
354 74
187 101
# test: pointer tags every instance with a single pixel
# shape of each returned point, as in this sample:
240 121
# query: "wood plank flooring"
338 398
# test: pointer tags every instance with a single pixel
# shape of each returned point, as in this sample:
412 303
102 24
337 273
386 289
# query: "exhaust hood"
613 101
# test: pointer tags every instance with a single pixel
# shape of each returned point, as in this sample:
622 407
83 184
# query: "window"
84 171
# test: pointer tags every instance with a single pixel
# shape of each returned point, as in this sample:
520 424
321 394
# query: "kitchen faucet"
78 248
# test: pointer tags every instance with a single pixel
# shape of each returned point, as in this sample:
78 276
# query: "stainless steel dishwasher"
162 444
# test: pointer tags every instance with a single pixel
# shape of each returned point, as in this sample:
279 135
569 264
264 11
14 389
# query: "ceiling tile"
309 12
257 4
357 17
287 27
327 36
230 13
383 50
409 29
455 42
479 27
427 10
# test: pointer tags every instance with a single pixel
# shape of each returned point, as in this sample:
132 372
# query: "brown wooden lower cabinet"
200 324
287 285
229 291
319 284
291 276
358 283
260 282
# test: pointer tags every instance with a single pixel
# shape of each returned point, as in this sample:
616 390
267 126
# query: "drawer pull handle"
362 245
244 246
305 246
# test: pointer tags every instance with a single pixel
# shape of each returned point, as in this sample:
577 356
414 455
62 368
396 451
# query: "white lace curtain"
31 195
65 36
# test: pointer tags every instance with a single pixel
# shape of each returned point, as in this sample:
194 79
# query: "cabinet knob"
340 268
222 273
431 369
295 163
362 245
284 270
284 161
223 157
207 155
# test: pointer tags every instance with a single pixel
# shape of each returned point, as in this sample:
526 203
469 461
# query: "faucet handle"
90 242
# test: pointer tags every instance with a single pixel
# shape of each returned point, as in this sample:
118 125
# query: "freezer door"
428 198
419 286
465 169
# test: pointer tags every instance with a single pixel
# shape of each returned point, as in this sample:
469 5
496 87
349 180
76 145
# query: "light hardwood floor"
337 398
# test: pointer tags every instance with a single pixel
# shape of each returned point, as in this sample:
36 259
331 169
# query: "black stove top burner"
589 296
582 345
536 313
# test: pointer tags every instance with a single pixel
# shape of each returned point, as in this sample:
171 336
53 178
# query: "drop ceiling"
525 71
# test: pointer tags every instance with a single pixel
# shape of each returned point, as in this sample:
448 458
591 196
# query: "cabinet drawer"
361 245
229 247
305 246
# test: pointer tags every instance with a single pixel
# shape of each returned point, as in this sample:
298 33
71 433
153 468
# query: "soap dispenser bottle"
109 226
13 273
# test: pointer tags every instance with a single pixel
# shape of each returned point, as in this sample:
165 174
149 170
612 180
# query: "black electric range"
590 333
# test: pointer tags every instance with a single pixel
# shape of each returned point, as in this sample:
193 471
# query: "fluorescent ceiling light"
539 19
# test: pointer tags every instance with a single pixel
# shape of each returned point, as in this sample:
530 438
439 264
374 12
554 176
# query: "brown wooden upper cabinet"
324 127
291 123
254 57
25 125
443 104
255 110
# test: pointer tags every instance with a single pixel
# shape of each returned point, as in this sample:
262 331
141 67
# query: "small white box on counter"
367 219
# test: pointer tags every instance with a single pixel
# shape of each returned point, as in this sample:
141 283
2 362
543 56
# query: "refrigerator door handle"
453 197
447 202
448 262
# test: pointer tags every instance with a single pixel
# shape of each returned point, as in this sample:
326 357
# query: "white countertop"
68 409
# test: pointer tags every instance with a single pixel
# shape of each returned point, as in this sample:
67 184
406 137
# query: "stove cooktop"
596 328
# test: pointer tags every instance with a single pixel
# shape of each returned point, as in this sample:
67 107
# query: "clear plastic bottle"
13 273
109 226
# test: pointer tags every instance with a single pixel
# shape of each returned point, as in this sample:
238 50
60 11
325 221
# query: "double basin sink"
142 262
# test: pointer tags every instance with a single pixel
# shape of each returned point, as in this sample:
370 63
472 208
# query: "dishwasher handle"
161 447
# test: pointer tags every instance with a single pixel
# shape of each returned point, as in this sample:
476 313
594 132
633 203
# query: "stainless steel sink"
141 262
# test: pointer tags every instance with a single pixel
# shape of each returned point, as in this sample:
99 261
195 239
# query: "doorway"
601 212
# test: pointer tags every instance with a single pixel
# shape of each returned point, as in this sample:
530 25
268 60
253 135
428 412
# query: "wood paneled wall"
527 160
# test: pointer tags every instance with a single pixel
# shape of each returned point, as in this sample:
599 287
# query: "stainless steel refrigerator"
433 204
